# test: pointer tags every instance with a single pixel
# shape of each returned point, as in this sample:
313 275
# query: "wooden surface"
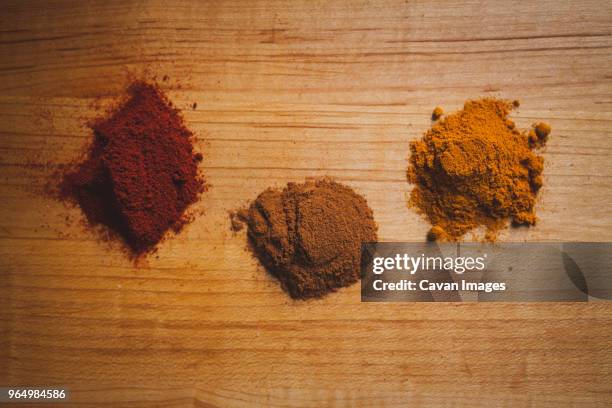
285 91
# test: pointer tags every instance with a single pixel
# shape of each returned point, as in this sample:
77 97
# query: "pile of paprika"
141 172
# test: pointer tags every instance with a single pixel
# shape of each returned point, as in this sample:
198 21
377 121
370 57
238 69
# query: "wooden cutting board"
286 91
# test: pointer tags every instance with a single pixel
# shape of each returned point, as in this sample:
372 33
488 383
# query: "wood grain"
285 91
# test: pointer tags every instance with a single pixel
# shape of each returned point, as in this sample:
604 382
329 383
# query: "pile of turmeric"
474 168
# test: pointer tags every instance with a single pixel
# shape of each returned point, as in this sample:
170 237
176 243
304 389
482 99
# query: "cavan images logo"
508 272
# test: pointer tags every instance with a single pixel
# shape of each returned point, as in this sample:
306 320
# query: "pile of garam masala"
473 169
309 235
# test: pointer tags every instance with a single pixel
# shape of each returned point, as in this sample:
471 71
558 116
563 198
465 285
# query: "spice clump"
309 235
473 169
141 172
437 113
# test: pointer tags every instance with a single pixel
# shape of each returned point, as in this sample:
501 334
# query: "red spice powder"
141 172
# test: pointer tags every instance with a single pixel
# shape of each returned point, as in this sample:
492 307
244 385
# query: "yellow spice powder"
474 168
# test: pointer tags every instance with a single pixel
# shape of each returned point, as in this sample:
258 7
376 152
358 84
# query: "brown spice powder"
474 168
309 235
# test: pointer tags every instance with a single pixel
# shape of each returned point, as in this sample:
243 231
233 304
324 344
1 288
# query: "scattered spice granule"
437 113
